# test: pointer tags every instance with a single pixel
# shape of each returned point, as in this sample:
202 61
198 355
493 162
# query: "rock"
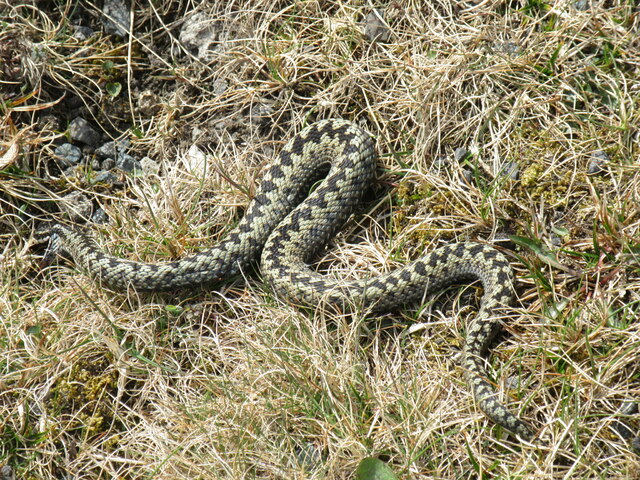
195 160
127 163
81 131
598 163
308 457
375 28
440 163
635 445
77 206
105 177
555 240
113 148
511 170
68 154
69 172
81 33
6 473
628 408
107 150
114 155
48 122
115 18
513 382
460 154
260 114
149 166
108 164
508 48
200 35
219 87
582 5
148 103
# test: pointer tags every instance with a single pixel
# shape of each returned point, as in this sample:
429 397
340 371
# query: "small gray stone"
95 164
513 382
440 163
49 122
308 457
149 166
219 87
555 240
375 28
198 134
508 48
113 148
6 473
69 172
81 131
511 48
77 206
108 164
582 5
623 429
597 163
116 17
105 177
68 154
223 125
460 154
127 163
629 407
200 34
107 150
635 445
82 33
511 170
148 103
261 113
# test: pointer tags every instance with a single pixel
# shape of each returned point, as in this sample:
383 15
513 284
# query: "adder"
285 227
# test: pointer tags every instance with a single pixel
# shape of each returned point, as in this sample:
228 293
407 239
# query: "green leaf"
174 309
374 469
542 253
35 330
113 88
137 131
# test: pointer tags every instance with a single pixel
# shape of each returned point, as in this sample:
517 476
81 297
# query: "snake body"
287 226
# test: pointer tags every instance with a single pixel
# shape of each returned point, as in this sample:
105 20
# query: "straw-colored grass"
233 383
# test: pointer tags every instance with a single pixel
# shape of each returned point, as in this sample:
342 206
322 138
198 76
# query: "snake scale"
286 226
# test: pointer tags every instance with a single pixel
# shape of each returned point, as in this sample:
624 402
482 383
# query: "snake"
306 195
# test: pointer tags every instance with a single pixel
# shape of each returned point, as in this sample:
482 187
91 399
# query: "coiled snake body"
289 226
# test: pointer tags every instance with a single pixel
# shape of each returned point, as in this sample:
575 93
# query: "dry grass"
235 384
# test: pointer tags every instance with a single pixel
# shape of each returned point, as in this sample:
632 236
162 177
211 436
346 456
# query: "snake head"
48 232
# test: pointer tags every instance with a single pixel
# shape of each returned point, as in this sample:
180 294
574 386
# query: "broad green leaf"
374 469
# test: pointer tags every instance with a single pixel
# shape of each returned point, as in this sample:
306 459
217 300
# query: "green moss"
85 395
531 175
552 187
412 198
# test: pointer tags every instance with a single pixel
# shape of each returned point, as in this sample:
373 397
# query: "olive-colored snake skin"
290 226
